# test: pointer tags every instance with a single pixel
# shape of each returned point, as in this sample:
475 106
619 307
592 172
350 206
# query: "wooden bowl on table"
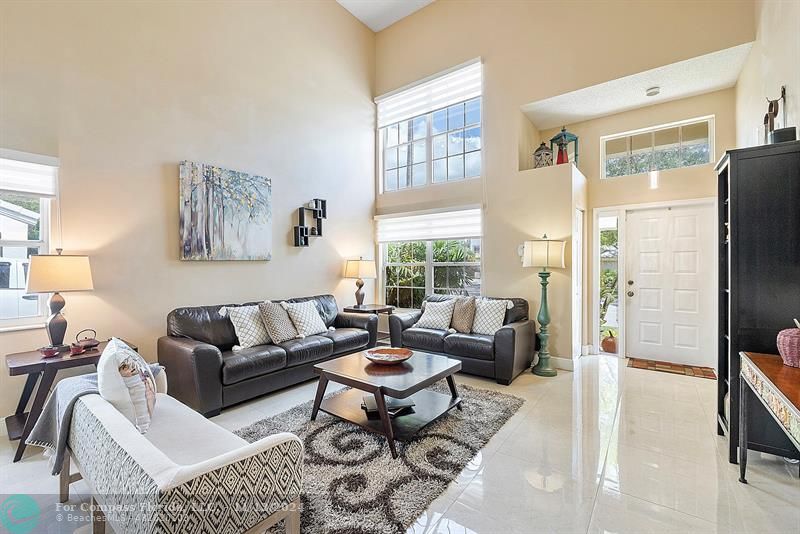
388 356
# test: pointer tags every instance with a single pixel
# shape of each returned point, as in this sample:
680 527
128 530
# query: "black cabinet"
759 276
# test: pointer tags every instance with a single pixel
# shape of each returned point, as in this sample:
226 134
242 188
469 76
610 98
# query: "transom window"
27 183
668 146
431 133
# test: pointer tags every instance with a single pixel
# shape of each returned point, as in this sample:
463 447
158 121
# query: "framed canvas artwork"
225 214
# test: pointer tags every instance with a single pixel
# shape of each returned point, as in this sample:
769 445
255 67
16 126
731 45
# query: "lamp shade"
57 273
543 253
360 269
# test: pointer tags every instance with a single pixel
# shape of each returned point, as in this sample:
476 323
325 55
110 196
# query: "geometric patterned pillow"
248 324
277 322
437 315
305 317
463 315
489 315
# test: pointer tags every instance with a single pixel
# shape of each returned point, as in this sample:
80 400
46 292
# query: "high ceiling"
702 74
380 14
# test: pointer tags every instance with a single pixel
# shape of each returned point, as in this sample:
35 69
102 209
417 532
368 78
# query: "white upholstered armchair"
187 474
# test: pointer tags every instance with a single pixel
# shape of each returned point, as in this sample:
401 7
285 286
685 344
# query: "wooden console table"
33 364
777 387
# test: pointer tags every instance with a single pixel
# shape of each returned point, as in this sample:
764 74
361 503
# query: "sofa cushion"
248 324
475 346
305 317
437 315
204 323
348 339
424 339
308 349
174 422
518 312
251 362
277 321
463 315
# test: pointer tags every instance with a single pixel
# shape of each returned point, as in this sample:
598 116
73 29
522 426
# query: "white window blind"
28 177
442 225
438 92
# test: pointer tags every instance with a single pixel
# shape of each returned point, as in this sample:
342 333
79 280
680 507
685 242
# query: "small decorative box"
789 346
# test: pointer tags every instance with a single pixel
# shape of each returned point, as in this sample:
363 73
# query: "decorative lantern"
543 156
563 139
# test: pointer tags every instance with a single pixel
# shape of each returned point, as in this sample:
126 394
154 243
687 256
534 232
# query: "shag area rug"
351 483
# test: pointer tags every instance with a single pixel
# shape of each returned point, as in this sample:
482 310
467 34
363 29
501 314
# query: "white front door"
668 291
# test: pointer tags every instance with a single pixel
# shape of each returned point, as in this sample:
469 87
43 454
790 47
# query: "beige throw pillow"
277 322
463 315
305 317
248 325
437 315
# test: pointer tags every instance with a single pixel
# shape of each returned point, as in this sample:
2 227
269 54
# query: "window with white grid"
431 133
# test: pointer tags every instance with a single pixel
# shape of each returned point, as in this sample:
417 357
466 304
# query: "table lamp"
544 253
360 269
57 273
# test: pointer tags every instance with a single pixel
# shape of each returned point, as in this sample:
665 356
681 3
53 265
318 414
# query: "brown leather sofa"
502 356
206 374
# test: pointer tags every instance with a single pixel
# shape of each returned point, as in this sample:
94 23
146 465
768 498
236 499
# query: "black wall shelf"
318 210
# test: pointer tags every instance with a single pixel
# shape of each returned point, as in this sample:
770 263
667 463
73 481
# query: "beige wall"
123 91
774 60
528 55
674 184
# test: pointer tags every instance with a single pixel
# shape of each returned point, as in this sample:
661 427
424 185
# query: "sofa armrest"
513 350
194 373
364 321
399 322
268 476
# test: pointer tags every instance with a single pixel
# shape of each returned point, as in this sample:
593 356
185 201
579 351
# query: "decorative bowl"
49 352
388 356
789 346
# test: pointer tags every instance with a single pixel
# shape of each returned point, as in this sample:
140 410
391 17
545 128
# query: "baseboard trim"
566 364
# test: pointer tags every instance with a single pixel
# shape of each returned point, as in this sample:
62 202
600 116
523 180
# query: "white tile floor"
604 449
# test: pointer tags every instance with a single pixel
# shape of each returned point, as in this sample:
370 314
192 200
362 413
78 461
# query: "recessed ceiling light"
652 91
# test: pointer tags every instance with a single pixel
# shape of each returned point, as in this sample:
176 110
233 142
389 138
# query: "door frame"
621 211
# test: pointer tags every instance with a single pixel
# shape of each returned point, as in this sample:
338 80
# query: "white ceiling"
703 74
380 14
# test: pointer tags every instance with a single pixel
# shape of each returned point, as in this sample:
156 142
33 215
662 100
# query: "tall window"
431 133
425 254
669 146
27 183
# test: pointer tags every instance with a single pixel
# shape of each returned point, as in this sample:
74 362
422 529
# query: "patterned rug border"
672 368
351 485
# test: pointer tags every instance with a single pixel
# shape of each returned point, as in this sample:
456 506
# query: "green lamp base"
543 367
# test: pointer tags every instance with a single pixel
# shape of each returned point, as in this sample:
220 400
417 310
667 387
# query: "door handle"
630 293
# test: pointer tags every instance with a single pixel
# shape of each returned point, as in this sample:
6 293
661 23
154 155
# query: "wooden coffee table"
403 380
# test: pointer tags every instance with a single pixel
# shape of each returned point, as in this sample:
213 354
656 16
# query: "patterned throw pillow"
463 315
125 380
489 315
248 324
305 317
437 315
277 322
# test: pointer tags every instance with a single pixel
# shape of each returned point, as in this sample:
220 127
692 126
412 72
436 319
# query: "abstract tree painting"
225 214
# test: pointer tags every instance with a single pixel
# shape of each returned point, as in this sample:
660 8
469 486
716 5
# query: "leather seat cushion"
308 349
424 339
348 339
477 346
251 362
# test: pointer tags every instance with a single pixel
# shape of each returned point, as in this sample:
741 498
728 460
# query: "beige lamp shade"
360 269
57 273
545 253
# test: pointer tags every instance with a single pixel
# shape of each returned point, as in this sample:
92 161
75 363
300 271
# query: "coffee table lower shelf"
428 407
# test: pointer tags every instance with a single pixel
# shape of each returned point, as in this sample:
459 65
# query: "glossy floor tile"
605 449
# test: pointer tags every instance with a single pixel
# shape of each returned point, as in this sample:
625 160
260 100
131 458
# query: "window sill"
22 327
